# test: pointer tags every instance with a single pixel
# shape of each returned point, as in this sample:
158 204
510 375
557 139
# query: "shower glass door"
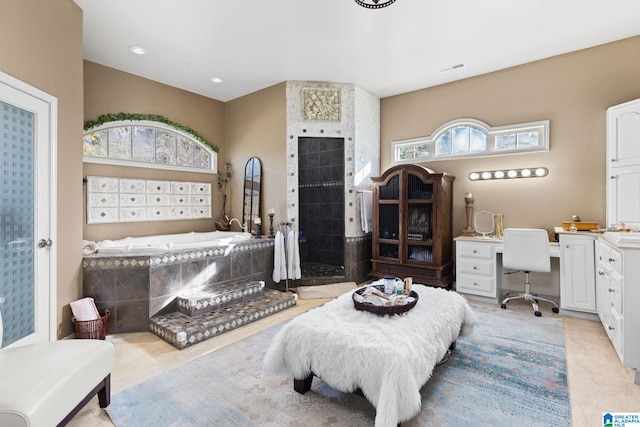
25 215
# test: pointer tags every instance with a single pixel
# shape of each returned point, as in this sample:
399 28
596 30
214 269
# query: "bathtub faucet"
243 226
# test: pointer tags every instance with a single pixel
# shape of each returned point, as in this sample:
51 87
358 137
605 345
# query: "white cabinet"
578 290
618 296
476 269
623 164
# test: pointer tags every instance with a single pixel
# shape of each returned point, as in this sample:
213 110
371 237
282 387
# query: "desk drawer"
475 250
609 256
468 284
475 267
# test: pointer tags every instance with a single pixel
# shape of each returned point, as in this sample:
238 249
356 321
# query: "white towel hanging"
279 258
290 253
297 272
366 208
283 258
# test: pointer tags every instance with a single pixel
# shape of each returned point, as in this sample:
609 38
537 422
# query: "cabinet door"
623 203
623 134
419 220
623 164
577 291
388 220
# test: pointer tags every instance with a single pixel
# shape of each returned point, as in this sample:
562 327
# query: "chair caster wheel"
504 306
537 313
555 310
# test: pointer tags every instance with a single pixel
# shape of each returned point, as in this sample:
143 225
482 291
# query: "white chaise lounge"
46 384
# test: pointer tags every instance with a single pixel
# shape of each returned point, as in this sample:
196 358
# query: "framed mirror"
484 224
252 190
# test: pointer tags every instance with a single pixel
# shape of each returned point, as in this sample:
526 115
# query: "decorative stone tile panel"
135 186
112 200
321 104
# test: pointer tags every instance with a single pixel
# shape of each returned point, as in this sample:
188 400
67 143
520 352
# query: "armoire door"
27 213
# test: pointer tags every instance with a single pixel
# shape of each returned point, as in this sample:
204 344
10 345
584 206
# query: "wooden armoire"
412 225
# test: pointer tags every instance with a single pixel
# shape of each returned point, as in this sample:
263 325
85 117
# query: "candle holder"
469 231
271 224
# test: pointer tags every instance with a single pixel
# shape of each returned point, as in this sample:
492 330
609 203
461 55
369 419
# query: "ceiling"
404 47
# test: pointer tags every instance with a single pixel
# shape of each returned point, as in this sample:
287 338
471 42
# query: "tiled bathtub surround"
134 288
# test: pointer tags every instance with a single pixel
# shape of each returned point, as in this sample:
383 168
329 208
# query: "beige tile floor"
598 382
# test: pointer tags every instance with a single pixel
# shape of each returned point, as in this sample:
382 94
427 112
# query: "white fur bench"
46 384
388 358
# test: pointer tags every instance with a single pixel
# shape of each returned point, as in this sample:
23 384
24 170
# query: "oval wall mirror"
252 189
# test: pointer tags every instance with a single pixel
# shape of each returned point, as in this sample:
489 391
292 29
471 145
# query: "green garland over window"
106 118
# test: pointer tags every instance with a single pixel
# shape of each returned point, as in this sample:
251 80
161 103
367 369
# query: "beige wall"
256 125
573 91
108 90
42 46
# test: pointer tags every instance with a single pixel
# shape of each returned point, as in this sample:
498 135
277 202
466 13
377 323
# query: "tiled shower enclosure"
321 203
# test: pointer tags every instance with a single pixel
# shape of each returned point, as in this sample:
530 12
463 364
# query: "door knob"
42 243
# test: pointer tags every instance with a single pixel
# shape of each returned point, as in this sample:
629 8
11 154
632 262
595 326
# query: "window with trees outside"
464 138
147 144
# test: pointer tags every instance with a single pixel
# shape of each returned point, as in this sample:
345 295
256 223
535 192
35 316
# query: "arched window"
147 144
465 138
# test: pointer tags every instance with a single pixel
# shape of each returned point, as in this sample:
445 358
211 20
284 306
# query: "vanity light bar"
509 173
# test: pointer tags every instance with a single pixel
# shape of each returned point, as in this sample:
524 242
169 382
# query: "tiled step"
216 297
183 331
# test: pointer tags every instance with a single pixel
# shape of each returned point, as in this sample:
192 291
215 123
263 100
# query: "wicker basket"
92 329
383 310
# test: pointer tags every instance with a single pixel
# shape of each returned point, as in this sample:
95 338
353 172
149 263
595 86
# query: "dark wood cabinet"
412 225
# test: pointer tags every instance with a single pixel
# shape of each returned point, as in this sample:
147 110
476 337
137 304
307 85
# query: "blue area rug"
510 371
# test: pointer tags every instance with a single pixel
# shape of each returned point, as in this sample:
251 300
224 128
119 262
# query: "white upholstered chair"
46 384
527 249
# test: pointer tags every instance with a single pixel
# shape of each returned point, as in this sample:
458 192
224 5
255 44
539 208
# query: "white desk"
479 269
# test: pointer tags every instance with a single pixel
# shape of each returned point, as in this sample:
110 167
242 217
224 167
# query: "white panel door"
27 213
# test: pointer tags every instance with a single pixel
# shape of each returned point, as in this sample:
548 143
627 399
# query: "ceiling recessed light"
216 79
138 50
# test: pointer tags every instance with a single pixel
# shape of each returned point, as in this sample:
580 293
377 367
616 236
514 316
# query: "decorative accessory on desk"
468 198
484 224
579 225
498 220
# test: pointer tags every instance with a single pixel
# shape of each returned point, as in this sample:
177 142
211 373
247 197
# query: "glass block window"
147 144
465 138
111 200
17 279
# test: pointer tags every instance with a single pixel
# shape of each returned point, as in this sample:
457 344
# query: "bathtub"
167 242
